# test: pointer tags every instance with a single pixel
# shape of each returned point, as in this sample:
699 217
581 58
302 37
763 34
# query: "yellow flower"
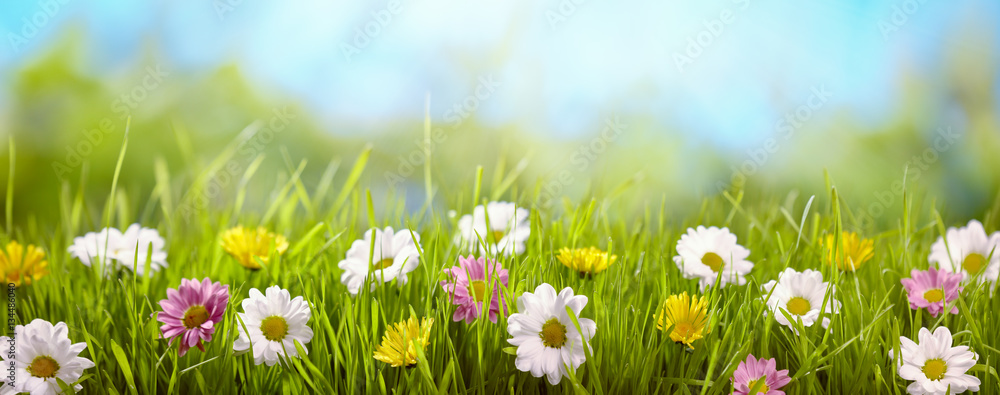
397 343
247 245
585 260
852 251
17 265
687 315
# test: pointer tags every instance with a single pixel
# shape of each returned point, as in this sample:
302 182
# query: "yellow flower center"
382 264
934 369
713 261
684 329
497 236
553 333
274 328
397 348
973 263
798 306
477 288
585 260
851 251
195 316
762 388
249 245
853 261
934 295
14 276
43 366
18 263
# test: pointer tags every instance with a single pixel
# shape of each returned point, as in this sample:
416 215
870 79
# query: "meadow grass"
628 354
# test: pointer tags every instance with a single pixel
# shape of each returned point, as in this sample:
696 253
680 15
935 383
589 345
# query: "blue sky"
562 78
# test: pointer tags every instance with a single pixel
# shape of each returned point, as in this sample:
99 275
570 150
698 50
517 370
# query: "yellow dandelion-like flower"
852 251
247 245
585 260
687 315
397 343
18 264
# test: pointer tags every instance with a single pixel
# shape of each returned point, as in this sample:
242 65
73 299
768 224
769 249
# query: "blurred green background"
766 106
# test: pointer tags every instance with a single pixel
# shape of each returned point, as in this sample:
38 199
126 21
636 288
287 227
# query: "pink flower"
191 312
468 284
753 371
932 288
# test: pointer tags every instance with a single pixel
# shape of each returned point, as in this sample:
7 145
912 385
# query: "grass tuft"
321 217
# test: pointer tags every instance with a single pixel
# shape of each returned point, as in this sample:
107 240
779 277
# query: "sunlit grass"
628 354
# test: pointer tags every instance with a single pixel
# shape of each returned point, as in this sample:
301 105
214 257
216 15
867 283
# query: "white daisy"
969 252
801 296
90 247
394 256
508 229
934 366
42 354
122 248
546 339
273 322
137 239
704 252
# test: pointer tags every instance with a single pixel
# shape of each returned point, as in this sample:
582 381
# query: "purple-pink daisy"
932 289
761 373
191 312
468 284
